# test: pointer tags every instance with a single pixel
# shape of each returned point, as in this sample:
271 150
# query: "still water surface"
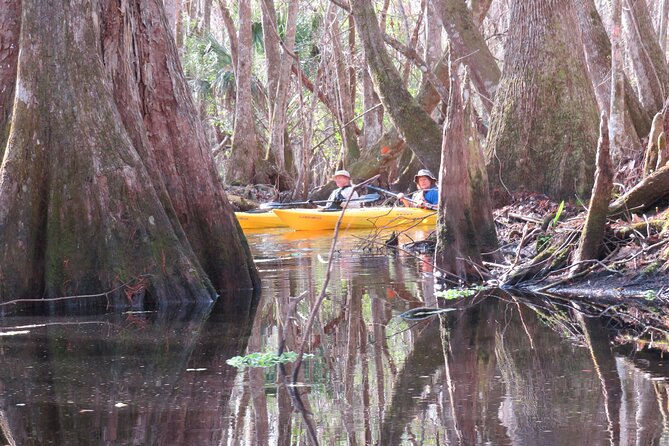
497 371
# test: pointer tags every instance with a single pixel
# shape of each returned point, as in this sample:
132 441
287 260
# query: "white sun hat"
342 173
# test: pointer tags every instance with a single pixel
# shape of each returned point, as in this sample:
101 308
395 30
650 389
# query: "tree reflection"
142 378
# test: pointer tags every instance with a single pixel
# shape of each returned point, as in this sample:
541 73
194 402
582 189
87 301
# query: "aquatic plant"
456 293
263 359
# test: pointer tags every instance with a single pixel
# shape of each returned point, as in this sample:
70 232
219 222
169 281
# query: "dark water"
495 372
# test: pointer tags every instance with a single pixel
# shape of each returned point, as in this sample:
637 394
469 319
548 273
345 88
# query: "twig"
312 317
81 296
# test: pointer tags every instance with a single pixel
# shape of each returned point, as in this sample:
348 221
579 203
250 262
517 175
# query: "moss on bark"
107 175
544 119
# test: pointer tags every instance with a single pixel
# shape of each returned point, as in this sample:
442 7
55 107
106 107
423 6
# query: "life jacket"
338 199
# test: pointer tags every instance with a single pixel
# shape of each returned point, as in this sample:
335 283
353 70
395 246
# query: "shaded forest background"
288 94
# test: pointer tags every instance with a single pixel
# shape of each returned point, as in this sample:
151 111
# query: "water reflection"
499 370
135 378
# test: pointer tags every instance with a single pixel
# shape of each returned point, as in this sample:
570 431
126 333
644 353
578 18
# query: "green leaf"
558 213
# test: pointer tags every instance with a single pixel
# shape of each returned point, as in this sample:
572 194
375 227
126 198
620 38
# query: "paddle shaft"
393 194
364 199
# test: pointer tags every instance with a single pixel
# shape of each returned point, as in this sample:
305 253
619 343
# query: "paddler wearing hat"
427 194
338 197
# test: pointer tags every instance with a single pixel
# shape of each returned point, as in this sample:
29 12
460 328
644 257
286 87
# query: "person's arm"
405 201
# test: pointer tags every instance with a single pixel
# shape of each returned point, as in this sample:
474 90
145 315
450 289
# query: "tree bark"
652 158
107 175
172 12
616 124
598 57
244 165
372 127
545 116
278 79
345 99
645 56
479 10
10 28
467 42
590 244
419 131
466 225
231 30
662 25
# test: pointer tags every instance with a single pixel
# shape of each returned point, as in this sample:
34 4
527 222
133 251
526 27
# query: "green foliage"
649 295
456 293
257 37
263 360
543 241
558 214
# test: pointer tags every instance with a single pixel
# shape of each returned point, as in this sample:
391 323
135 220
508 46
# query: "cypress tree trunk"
107 174
545 116
244 165
466 225
598 57
279 62
344 89
415 126
645 56
10 27
466 40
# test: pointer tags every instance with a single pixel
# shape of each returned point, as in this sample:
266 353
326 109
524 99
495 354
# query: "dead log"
652 188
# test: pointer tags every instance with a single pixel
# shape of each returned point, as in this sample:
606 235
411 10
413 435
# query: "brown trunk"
343 89
172 11
413 42
244 165
467 42
10 27
545 115
372 128
616 115
479 9
652 160
232 32
108 176
590 244
419 131
663 13
432 43
645 56
466 225
597 48
278 85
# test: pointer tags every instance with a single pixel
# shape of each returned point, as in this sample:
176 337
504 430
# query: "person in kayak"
427 195
344 189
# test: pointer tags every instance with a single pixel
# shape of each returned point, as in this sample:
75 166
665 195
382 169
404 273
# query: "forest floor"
632 262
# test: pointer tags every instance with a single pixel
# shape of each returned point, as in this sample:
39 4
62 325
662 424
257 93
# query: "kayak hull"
259 220
362 218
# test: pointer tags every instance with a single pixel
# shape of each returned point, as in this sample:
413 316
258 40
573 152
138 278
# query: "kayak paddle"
432 207
274 205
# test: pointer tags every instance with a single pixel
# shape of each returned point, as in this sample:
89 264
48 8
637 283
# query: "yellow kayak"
259 220
361 218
